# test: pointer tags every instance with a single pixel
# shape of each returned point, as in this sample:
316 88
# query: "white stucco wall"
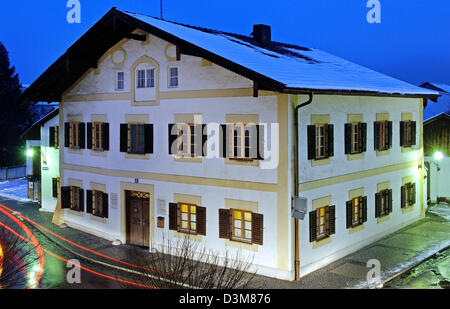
49 166
439 179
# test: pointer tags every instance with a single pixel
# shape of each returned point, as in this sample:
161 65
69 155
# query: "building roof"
34 132
274 66
442 105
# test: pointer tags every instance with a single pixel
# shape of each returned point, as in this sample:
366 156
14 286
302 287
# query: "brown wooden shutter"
55 187
414 193
377 205
312 226
389 133
148 138
376 135
204 140
389 197
105 205
330 140
363 134
67 134
81 135
257 228
364 209
413 132
260 145
331 216
173 216
223 138
402 133
123 137
201 220
89 201
349 213
311 142
224 223
65 197
105 136
81 199
173 147
51 136
348 137
89 139
403 197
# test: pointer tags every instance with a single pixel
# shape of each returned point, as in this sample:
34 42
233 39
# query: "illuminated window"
241 142
321 140
384 202
187 218
322 222
356 211
241 227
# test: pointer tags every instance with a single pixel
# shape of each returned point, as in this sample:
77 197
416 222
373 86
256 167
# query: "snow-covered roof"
294 66
442 106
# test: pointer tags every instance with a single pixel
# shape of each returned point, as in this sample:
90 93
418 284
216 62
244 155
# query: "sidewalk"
395 252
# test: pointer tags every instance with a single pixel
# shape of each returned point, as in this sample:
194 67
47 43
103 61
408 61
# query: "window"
382 135
173 77
383 203
186 140
356 211
97 135
74 134
75 198
150 78
407 133
145 78
136 139
140 78
355 137
97 203
55 187
241 142
241 229
320 141
322 223
241 225
408 195
120 81
54 136
188 218
72 197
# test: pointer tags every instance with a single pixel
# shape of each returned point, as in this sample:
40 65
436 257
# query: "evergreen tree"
15 116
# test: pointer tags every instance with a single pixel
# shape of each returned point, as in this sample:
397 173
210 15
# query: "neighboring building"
129 172
43 160
436 137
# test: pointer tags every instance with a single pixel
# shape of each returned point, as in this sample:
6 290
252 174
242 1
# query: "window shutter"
403 197
54 187
349 213
376 135
331 217
148 137
51 136
173 216
89 201
65 197
197 139
223 141
81 135
89 139
224 223
67 134
204 140
389 133
201 220
377 205
105 205
330 140
414 193
413 132
312 226
311 142
105 136
348 137
123 137
363 134
81 194
402 133
389 197
260 146
257 228
173 149
364 209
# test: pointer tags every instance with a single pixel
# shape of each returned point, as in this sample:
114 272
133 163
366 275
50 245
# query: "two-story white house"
287 153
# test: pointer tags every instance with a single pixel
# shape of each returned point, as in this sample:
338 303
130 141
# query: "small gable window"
120 81
173 77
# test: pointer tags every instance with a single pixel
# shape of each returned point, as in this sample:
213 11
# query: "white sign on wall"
161 208
114 200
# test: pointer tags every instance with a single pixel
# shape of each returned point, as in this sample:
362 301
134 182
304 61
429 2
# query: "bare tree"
16 257
186 264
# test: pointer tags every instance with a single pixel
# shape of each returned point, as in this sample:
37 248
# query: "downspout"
296 182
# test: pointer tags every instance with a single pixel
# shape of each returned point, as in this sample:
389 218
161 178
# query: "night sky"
412 42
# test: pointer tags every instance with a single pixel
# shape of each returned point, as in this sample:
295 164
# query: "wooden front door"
138 218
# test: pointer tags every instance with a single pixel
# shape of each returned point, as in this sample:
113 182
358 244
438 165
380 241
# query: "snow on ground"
15 189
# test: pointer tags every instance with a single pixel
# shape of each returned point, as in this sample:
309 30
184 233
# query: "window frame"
171 77
243 229
407 133
384 202
189 220
74 137
383 143
56 137
97 141
245 151
139 138
97 201
324 234
355 137
356 211
409 194
118 81
319 145
190 137
75 198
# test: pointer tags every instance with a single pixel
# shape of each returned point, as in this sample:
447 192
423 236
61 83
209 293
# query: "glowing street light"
438 155
30 152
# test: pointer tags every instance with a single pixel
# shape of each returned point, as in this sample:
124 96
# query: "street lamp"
30 152
438 155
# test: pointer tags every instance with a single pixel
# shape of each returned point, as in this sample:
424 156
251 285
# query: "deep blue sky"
412 43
